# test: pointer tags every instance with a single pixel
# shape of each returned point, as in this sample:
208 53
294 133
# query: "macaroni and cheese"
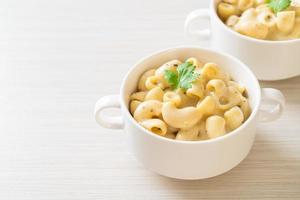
189 101
261 19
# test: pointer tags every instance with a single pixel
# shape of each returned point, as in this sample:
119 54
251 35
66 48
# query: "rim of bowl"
213 7
229 134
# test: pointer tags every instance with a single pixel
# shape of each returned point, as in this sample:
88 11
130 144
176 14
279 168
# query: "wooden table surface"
58 57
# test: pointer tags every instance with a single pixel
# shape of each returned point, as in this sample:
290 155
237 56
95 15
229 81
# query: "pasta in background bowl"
268 59
262 19
189 101
187 159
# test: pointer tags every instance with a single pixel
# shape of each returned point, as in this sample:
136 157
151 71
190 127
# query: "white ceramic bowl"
269 60
190 159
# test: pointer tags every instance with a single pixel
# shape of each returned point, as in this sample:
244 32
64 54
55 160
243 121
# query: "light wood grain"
58 57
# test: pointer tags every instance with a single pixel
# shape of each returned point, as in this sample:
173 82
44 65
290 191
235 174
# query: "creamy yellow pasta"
189 101
261 19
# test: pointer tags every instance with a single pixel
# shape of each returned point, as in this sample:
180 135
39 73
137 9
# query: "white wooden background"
58 57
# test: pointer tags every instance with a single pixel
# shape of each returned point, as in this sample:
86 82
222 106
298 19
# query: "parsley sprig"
183 77
278 5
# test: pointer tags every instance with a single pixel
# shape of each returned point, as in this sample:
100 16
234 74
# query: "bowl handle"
106 102
194 16
272 105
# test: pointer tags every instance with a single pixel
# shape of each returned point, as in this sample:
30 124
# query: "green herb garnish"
278 5
183 77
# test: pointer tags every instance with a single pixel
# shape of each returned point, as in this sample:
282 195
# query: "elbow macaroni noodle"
254 18
213 106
